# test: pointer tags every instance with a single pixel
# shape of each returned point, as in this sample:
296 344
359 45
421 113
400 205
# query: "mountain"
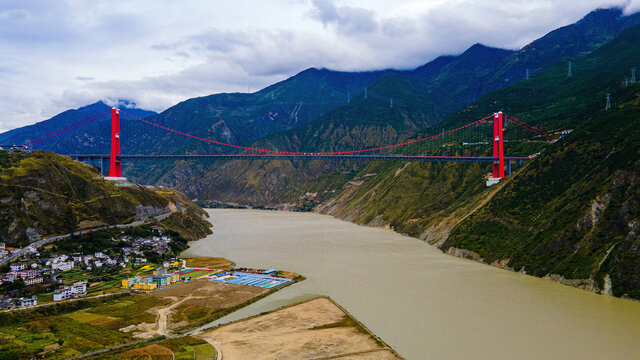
91 138
45 194
570 215
464 77
241 118
362 123
449 82
421 98
235 118
580 38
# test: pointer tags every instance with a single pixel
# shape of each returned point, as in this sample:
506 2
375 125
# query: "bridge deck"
305 157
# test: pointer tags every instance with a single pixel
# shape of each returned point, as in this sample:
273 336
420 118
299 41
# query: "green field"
47 332
197 273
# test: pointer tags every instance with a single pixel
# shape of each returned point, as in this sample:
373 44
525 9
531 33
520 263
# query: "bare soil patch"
211 294
191 302
287 274
209 262
312 330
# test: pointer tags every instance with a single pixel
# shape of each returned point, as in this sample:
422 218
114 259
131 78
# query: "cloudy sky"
57 55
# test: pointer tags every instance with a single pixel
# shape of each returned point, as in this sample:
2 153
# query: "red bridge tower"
115 169
498 146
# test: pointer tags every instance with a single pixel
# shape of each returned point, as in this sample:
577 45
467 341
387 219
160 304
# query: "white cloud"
66 54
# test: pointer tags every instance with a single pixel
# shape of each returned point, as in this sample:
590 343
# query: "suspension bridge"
111 164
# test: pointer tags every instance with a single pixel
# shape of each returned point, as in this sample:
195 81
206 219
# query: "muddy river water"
423 303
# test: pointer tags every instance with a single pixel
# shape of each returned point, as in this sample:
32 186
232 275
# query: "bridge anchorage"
501 164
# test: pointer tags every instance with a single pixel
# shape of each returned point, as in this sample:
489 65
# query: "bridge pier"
103 166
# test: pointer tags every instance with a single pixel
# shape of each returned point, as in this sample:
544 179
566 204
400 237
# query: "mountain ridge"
453 83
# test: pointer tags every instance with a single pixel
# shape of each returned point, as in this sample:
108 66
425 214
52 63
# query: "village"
38 273
55 277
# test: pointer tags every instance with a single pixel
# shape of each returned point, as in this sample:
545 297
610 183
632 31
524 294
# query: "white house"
62 294
77 289
27 274
17 267
62 266
33 301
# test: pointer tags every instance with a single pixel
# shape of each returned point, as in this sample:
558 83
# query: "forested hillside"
44 194
571 214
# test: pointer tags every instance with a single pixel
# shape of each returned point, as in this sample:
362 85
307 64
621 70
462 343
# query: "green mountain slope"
43 194
362 123
580 38
570 214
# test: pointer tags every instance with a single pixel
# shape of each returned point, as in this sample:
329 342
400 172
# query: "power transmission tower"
633 75
365 92
391 102
608 106
569 74
527 76
348 97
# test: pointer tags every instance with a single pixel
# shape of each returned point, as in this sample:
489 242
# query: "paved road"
39 243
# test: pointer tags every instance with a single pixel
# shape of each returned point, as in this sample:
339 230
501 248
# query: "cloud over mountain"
58 55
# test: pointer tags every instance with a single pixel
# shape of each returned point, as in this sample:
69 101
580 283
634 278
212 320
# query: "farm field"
183 348
65 332
69 329
209 262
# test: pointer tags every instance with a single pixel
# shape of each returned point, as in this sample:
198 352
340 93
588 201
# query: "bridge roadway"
303 156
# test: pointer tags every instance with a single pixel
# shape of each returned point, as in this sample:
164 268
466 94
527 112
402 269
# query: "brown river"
423 303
